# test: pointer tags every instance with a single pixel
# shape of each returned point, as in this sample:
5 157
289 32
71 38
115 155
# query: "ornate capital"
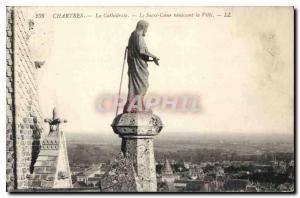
140 124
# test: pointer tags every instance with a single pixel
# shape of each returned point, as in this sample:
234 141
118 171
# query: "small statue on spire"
54 122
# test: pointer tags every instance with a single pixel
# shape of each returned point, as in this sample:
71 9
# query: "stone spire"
167 177
51 169
167 170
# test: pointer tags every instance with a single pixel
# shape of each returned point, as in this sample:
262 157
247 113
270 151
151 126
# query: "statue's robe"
137 68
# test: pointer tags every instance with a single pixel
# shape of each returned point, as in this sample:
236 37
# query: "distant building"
236 185
198 186
251 188
262 168
180 184
291 172
79 185
90 177
167 177
292 163
286 187
196 173
186 165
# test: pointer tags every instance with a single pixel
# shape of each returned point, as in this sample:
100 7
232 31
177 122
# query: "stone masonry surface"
23 116
10 156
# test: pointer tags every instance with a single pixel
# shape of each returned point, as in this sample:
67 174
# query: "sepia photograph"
160 99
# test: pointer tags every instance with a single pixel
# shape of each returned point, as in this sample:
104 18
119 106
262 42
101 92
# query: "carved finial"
38 64
54 122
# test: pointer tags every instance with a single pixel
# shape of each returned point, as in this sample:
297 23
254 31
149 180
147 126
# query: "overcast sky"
240 67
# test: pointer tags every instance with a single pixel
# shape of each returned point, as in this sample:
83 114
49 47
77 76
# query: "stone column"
137 131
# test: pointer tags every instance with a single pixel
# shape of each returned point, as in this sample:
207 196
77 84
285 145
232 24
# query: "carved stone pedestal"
137 131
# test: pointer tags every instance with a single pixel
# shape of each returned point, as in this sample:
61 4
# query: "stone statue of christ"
138 56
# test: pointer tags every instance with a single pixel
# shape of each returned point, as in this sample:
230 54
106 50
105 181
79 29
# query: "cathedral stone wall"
10 158
24 122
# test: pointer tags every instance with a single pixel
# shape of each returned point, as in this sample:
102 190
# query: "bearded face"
145 31
142 27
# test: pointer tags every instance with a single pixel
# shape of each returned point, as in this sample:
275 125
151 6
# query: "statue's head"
141 27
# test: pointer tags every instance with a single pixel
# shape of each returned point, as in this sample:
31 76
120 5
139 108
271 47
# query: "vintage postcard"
150 99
